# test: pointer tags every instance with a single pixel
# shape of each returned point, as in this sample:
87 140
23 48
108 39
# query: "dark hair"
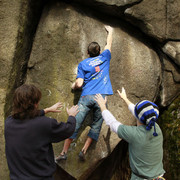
25 101
94 49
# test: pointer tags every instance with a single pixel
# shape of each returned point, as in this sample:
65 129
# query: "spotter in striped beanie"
147 112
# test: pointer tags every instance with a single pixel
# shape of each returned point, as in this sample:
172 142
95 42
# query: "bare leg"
87 144
66 146
63 155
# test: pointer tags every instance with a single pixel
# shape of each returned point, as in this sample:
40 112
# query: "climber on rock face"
145 140
93 77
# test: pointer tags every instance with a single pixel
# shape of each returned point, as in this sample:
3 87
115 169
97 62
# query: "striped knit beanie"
147 112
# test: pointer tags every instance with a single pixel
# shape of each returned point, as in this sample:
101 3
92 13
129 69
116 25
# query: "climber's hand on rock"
108 28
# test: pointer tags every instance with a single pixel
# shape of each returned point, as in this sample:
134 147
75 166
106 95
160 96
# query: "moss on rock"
169 122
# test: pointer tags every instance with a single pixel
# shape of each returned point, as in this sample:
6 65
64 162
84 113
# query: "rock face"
172 49
157 18
45 50
18 21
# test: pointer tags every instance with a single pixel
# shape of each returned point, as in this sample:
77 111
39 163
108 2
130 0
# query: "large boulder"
62 37
144 61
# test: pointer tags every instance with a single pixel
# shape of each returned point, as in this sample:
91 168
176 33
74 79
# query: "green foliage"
169 122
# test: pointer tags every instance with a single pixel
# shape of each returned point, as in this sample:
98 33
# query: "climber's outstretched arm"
109 30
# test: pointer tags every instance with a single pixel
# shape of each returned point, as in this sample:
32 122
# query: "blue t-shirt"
95 72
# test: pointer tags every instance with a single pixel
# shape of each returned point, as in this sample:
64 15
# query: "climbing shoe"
61 157
81 156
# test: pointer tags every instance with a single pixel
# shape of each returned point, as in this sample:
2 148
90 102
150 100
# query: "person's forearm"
102 107
61 131
109 41
46 110
110 120
127 101
131 107
75 86
78 83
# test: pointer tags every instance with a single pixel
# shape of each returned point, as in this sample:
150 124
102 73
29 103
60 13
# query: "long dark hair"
25 102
